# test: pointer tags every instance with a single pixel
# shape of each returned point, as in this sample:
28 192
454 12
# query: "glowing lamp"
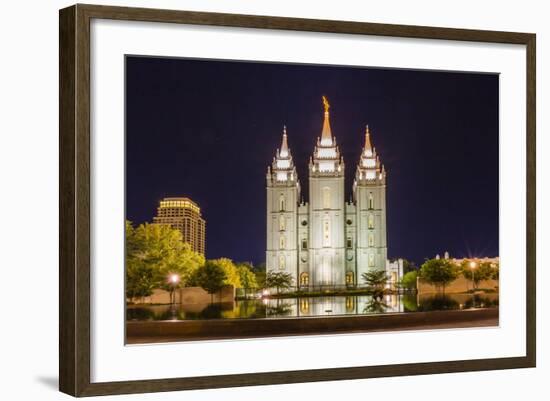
174 278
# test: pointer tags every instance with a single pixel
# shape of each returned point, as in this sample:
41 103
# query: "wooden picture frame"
74 206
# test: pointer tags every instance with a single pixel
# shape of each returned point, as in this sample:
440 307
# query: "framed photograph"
279 200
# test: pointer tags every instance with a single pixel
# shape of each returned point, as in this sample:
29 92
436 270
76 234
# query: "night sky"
208 130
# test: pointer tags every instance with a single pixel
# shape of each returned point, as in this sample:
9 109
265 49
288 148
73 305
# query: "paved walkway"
162 332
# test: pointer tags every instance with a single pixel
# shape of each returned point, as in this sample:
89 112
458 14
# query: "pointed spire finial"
284 145
368 145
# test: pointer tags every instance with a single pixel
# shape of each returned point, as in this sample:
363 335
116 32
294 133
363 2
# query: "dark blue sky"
208 129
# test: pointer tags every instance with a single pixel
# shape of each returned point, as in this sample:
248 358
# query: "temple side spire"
283 170
368 146
284 144
369 170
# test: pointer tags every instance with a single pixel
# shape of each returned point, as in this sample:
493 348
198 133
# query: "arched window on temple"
350 278
304 279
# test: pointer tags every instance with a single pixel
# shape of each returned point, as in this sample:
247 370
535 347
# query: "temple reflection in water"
336 305
340 305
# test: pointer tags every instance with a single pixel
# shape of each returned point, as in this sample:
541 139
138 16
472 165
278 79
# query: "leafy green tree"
182 264
409 266
376 281
278 280
154 243
261 277
231 272
154 253
246 276
496 270
211 277
141 277
439 272
409 280
260 271
140 280
481 271
259 267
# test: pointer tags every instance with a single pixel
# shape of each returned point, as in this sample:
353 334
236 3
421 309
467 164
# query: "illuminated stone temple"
327 241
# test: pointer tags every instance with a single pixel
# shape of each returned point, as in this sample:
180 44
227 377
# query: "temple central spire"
326 135
326 156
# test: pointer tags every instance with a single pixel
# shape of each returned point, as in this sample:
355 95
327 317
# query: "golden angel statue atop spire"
326 104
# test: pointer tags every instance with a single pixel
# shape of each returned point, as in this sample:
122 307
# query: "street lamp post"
174 279
473 266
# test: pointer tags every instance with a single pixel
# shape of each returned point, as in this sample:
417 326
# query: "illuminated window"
304 279
326 233
349 278
281 176
282 202
304 244
371 201
349 243
326 153
350 304
371 239
282 242
326 198
326 166
285 163
369 162
281 222
371 221
371 260
282 262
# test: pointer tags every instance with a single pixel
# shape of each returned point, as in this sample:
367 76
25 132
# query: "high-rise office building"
184 215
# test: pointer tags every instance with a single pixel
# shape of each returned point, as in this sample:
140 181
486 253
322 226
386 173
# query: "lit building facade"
494 261
184 215
327 241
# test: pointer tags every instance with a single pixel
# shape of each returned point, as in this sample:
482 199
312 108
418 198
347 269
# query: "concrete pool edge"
143 332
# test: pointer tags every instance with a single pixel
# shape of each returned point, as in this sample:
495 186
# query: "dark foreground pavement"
192 330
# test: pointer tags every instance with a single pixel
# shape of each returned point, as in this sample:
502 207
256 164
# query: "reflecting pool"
312 307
